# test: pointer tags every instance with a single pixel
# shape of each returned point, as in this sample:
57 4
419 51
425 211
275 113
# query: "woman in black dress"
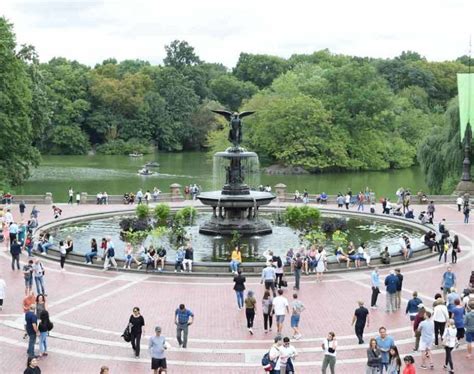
137 328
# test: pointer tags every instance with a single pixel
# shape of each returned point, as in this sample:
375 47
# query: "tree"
68 140
179 54
231 92
16 134
441 154
261 70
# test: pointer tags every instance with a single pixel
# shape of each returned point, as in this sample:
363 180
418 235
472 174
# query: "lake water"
117 174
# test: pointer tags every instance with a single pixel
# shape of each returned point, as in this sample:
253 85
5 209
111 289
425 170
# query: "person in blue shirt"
449 281
384 343
179 260
412 306
375 282
391 283
183 318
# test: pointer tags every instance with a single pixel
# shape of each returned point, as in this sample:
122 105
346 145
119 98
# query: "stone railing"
175 194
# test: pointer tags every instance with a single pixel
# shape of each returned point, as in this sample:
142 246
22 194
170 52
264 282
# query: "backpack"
267 364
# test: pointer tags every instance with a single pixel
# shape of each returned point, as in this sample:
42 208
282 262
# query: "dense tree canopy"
321 111
16 91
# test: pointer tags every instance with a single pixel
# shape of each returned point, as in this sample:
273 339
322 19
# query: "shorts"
158 363
425 345
469 337
295 320
280 319
29 282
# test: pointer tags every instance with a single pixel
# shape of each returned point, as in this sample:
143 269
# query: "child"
56 212
409 365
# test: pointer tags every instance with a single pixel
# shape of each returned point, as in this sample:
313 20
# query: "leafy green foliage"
161 214
134 237
441 154
121 147
261 70
302 218
68 140
142 211
16 130
179 54
186 215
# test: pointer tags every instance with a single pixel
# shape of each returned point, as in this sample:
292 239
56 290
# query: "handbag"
458 249
127 336
284 283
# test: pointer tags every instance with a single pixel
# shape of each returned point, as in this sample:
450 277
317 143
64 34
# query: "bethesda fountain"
235 207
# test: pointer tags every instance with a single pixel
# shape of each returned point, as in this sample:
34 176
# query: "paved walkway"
90 310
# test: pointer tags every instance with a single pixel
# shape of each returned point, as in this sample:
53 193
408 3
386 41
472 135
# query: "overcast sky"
93 30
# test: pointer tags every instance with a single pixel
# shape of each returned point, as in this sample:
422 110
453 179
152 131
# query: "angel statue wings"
235 122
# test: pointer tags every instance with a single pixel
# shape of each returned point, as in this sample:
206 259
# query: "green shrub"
161 214
186 215
142 211
302 218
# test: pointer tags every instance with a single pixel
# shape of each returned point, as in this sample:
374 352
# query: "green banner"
466 101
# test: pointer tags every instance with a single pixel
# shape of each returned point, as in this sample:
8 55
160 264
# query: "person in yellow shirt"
236 260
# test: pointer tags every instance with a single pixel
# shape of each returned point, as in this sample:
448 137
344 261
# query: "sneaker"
139 267
298 337
250 331
176 271
182 271
423 367
266 331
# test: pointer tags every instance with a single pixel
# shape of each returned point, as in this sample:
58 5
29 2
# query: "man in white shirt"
426 328
275 352
281 307
287 354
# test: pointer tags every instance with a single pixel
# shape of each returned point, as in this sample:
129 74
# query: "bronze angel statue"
235 122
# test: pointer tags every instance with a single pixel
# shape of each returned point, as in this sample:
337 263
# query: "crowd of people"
446 323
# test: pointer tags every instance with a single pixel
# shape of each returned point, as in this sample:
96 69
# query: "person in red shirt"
409 365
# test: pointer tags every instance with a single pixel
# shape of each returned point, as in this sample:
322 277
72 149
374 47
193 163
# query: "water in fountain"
250 166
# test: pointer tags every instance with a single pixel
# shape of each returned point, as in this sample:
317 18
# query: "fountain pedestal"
236 206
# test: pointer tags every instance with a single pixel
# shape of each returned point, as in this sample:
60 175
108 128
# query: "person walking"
374 358
466 212
15 251
267 309
329 347
469 327
268 277
440 317
449 342
361 320
297 307
22 208
375 282
71 195
455 249
427 331
32 366
110 255
28 276
239 288
44 327
412 306
395 363
137 328
398 299
297 266
391 284
384 343
287 355
281 307
458 317
250 310
183 319
31 329
448 281
157 345
38 272
275 353
3 292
